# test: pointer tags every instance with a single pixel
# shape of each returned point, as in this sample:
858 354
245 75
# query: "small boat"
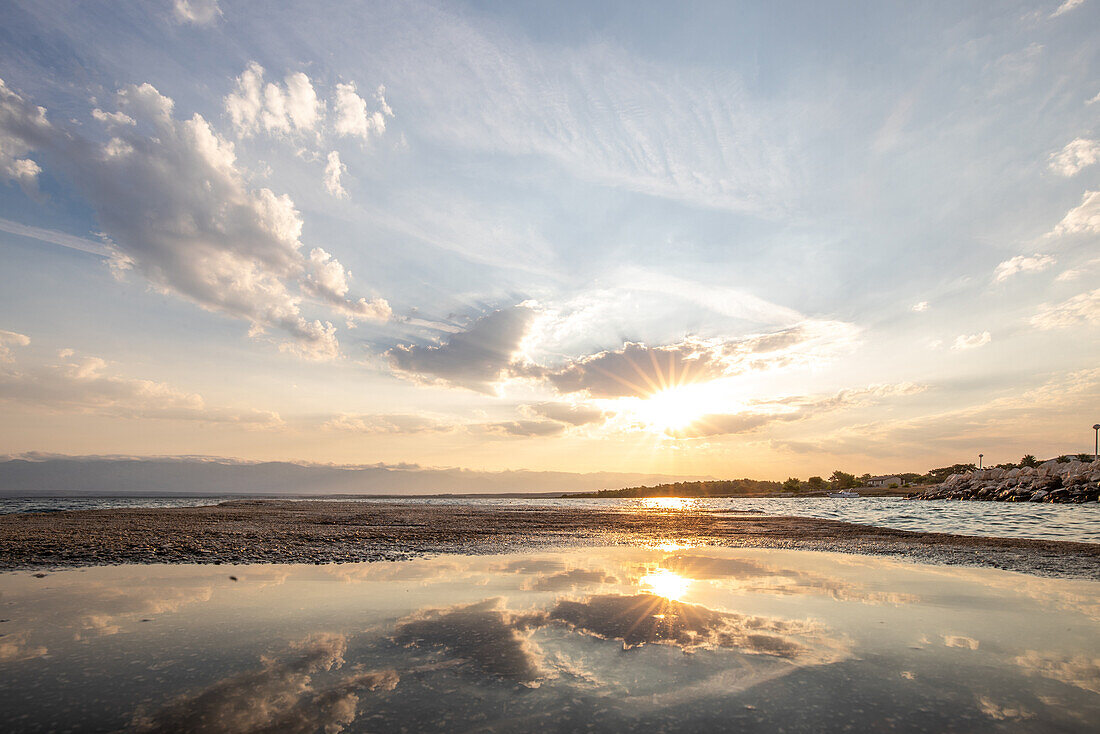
844 494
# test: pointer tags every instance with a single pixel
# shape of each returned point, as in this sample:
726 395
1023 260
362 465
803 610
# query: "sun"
676 408
671 586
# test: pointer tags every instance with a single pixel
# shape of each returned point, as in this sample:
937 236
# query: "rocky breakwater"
1071 482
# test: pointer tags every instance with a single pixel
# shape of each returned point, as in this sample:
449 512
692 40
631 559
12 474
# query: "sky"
731 239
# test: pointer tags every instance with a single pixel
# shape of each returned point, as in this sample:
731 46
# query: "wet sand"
279 531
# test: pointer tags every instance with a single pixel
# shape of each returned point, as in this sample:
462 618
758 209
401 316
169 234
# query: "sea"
1080 523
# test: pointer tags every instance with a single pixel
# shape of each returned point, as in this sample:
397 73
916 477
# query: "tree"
843 480
816 483
1029 460
792 484
865 480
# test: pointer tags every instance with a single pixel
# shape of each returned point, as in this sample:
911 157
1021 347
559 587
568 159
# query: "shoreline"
280 531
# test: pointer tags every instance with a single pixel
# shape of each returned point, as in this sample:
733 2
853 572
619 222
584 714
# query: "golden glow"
671 586
670 546
666 503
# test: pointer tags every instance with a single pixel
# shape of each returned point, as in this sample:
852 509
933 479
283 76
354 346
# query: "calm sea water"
999 519
600 640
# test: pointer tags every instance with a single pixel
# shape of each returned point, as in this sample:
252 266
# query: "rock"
1038 496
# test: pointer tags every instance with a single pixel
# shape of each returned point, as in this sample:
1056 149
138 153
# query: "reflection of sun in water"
671 586
666 503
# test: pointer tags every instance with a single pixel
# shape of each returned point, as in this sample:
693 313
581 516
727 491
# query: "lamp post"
1096 446
980 460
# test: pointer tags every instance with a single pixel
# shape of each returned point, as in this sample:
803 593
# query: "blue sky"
761 239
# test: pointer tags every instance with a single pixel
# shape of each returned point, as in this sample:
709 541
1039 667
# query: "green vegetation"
837 480
724 488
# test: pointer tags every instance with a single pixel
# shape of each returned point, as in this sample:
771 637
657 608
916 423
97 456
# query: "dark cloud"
637 370
487 636
475 358
647 618
277 697
570 579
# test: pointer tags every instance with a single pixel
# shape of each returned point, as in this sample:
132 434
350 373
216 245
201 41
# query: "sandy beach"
278 531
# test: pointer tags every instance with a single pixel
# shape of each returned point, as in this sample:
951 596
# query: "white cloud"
9 339
1082 308
22 128
179 212
352 117
328 279
87 385
1083 218
919 307
334 170
972 341
196 12
1065 7
255 107
1021 264
112 118
1077 154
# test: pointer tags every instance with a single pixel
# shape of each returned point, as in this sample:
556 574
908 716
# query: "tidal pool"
605 639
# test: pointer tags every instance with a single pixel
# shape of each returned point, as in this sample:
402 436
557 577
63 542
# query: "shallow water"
603 639
1079 523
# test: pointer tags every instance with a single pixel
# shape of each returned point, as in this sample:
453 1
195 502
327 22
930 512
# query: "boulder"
1038 496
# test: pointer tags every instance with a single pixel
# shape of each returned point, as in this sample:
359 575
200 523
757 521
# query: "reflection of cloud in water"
14 648
104 610
422 570
753 576
962 641
569 580
646 618
493 639
999 712
1079 670
279 696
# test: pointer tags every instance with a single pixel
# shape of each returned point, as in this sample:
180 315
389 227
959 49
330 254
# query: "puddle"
615 639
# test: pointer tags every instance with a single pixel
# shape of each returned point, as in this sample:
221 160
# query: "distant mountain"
204 475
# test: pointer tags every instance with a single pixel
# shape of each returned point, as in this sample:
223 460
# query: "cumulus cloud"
1021 264
196 12
352 116
278 696
1082 308
112 118
334 170
971 341
178 210
1065 7
1078 670
23 127
570 579
1082 219
487 636
1077 154
86 385
919 307
475 358
638 370
650 619
328 280
9 339
273 108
